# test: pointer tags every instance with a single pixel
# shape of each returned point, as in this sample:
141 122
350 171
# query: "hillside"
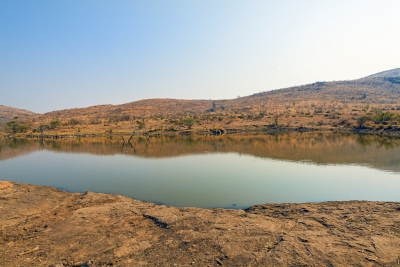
387 74
322 104
363 91
9 113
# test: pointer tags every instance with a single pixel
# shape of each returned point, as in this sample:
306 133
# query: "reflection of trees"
16 143
41 144
139 140
320 148
190 142
363 140
56 145
386 143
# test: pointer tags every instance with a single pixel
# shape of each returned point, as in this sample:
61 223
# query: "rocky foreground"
43 226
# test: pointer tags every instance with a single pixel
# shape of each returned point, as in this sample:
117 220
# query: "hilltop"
10 113
394 73
321 104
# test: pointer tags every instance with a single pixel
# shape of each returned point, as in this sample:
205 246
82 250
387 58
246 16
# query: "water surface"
233 171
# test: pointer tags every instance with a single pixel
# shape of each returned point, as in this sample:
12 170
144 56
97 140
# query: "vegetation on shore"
320 119
368 104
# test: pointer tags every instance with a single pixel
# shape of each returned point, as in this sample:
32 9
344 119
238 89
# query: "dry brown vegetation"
320 105
10 113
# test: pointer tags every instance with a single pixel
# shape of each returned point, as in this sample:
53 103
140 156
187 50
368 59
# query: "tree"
276 120
17 127
362 120
189 122
74 121
382 117
54 124
142 124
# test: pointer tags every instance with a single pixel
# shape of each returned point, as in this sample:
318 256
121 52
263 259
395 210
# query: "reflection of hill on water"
12 148
376 151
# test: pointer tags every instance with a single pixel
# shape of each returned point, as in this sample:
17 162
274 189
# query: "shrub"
383 117
188 122
125 117
17 127
141 123
362 120
54 124
74 121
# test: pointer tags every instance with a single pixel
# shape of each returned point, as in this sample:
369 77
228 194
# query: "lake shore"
43 226
266 129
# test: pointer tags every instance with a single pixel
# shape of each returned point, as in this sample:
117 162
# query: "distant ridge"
9 113
386 74
328 104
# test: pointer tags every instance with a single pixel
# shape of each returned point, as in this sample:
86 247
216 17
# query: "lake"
231 171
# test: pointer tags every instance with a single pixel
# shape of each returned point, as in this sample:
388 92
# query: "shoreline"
392 132
44 226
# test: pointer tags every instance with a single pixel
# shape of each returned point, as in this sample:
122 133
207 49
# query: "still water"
233 171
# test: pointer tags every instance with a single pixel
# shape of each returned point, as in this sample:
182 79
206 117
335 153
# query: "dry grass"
9 113
322 105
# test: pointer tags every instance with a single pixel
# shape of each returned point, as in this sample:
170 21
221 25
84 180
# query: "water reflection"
368 150
232 171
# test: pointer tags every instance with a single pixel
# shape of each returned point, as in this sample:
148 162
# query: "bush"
125 117
74 122
362 120
188 122
17 127
141 123
54 124
383 117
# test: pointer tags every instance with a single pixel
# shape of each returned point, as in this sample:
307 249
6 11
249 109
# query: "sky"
64 54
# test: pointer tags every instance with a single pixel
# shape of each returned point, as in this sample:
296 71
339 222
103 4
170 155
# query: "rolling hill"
369 90
321 103
9 113
387 74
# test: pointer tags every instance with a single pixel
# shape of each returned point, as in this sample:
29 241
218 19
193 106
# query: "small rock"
371 259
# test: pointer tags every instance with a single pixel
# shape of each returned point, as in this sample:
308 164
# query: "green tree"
383 117
17 127
54 124
189 122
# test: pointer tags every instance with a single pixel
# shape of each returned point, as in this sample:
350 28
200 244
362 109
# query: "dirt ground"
43 226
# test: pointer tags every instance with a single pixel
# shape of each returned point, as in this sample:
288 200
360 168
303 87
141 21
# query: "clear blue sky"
77 53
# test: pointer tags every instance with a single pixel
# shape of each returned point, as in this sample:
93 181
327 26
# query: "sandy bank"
43 226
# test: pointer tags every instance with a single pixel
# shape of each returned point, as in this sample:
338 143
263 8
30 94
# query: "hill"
9 113
321 104
387 74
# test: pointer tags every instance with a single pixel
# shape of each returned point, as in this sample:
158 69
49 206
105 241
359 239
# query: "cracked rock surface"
43 226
